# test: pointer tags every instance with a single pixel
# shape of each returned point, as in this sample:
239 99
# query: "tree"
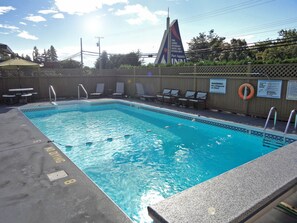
284 48
27 57
198 47
132 59
36 55
52 54
215 45
105 63
238 49
117 60
45 56
206 47
70 64
290 34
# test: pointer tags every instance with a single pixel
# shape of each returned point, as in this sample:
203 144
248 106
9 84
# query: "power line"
252 46
226 10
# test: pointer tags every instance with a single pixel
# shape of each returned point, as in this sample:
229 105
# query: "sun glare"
93 25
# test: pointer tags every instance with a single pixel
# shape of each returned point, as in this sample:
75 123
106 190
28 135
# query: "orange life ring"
241 91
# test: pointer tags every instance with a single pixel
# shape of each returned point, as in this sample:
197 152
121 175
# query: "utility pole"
81 54
168 40
99 58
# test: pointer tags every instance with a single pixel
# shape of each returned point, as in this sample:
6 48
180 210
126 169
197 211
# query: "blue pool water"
139 157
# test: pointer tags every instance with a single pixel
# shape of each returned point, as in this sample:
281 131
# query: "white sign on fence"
269 88
292 90
217 86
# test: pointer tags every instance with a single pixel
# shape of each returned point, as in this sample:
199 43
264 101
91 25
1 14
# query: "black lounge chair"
166 92
200 98
172 97
140 93
184 101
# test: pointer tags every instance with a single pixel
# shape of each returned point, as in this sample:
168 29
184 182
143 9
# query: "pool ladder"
268 140
51 91
294 111
80 86
268 117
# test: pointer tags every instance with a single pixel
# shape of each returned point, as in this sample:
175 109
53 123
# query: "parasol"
18 63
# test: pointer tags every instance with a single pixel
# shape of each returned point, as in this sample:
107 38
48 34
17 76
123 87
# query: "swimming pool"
139 156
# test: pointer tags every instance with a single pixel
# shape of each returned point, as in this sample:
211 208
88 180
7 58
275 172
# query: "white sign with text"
217 86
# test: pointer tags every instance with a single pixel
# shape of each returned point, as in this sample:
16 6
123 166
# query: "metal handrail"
78 91
52 90
268 117
289 121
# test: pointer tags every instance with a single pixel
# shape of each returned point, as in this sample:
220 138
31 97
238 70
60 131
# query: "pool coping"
235 195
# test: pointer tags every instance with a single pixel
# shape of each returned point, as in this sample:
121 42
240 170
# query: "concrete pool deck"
28 195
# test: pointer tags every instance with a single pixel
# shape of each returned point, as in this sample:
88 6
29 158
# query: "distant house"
4 50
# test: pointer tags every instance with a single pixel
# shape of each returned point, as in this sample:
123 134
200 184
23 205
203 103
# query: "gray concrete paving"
26 193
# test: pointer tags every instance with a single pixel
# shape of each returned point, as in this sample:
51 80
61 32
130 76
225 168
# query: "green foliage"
52 54
70 64
126 66
47 57
118 60
212 50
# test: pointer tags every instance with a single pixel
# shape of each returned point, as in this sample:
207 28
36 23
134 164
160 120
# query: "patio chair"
140 93
25 98
9 99
160 96
184 101
99 90
172 97
119 90
200 98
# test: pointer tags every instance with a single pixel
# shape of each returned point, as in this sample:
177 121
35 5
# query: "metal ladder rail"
267 140
294 111
78 91
52 90
268 117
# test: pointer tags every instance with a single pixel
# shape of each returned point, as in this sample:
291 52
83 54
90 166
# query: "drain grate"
57 175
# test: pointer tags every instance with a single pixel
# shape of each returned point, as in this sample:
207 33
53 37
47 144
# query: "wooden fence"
155 79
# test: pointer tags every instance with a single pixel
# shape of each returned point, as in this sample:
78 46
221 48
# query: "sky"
125 26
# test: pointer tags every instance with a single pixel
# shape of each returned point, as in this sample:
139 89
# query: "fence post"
160 79
249 72
249 69
195 71
134 82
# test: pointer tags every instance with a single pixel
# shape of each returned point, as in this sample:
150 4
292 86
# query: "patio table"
22 93
20 90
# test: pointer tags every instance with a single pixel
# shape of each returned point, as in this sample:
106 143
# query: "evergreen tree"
27 57
52 53
36 55
45 56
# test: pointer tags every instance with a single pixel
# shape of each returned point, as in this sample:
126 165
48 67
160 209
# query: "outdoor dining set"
19 95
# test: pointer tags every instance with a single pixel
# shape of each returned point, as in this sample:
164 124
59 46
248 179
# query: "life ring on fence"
241 90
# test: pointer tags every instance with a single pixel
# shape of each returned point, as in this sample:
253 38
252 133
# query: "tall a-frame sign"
171 50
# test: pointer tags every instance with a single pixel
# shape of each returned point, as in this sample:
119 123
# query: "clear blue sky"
131 25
